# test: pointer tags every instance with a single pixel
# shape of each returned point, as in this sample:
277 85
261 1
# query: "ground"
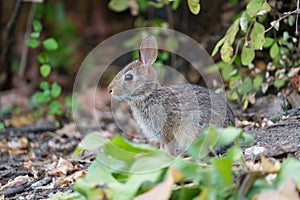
38 161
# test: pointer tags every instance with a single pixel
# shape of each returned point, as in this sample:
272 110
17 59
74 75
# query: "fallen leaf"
164 189
287 191
62 168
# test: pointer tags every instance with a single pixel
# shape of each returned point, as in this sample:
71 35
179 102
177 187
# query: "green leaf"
1 126
186 167
55 108
32 43
257 8
234 153
226 52
228 135
55 90
45 70
175 4
223 168
194 6
44 85
35 35
50 44
269 42
246 86
257 36
247 138
257 81
149 162
279 83
274 50
247 55
289 168
93 141
42 97
218 45
43 57
37 25
232 31
118 5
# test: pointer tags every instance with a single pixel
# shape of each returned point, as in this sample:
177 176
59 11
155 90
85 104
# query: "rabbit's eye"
128 77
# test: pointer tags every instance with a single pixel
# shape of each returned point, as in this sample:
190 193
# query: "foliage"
124 170
246 36
49 92
1 126
122 5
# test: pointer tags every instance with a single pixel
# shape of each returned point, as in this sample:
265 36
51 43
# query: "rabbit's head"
137 73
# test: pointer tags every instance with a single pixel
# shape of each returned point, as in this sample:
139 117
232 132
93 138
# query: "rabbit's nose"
110 91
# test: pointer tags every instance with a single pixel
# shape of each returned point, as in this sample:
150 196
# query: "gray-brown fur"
171 115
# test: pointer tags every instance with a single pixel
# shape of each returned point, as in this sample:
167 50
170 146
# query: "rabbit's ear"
148 50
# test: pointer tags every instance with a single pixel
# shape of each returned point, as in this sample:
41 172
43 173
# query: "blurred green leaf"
50 44
148 162
32 43
289 168
118 5
257 8
279 83
228 135
257 81
246 86
55 90
37 25
45 70
269 42
1 126
226 52
93 141
247 55
55 108
257 36
44 85
232 31
42 97
218 45
194 6
223 168
43 58
274 50
234 153
175 4
35 35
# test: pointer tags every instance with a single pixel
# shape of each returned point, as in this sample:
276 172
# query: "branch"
285 15
10 39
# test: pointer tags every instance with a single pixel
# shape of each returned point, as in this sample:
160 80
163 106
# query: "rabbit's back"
175 115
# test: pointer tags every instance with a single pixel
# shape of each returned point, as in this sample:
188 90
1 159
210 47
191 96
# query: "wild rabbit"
171 115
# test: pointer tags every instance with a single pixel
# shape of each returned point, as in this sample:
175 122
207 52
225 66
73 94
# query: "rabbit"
172 115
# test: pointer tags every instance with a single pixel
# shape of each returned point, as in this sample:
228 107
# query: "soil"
38 161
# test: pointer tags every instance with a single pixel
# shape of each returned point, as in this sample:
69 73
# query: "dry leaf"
164 189
287 191
62 168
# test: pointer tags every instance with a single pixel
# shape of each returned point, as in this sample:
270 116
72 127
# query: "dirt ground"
39 160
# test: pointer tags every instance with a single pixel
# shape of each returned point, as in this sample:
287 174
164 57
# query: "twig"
26 36
297 17
285 15
26 129
10 39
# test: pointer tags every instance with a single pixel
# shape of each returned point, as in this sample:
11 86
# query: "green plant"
49 91
243 39
1 126
124 170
